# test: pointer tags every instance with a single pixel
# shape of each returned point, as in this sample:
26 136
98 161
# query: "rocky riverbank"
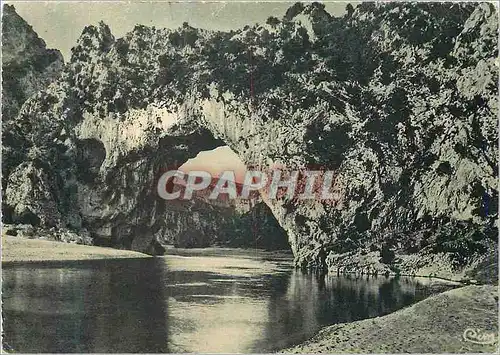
481 269
463 320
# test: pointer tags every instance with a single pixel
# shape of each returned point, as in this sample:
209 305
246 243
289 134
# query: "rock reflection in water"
184 304
312 301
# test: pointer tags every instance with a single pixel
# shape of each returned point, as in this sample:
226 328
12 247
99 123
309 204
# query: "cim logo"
479 336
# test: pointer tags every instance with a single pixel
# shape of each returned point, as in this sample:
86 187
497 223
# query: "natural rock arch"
287 92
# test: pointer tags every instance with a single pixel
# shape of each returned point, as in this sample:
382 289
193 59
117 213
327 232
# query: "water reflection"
312 301
94 307
184 304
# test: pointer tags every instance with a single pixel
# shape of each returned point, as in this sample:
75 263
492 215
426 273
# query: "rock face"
399 100
28 67
200 224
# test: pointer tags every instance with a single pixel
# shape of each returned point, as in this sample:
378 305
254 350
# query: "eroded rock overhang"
402 119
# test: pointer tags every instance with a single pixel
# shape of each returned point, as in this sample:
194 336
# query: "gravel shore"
455 321
15 249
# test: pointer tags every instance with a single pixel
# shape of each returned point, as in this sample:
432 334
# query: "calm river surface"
239 303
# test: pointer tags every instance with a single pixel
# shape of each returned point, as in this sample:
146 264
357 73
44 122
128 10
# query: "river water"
183 303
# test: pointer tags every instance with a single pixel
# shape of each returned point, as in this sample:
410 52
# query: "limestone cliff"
27 67
200 224
399 99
